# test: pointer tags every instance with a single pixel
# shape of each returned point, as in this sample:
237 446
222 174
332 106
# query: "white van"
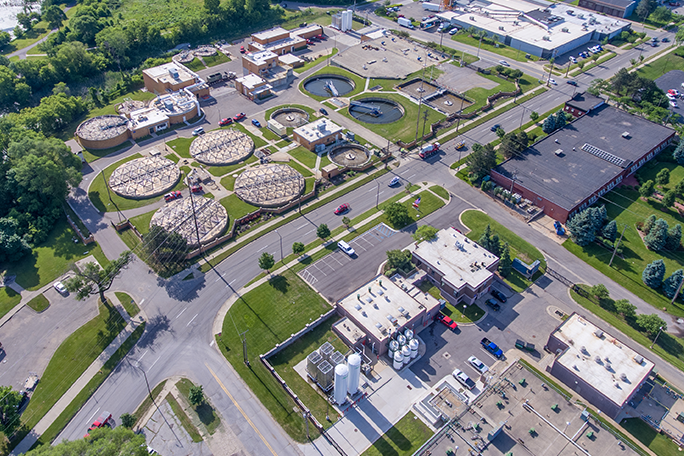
346 248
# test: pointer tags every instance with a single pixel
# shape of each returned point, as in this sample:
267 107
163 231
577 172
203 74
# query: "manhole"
446 355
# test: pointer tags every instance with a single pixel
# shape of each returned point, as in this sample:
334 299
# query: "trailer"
430 6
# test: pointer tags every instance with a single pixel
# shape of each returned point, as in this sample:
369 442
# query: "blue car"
256 123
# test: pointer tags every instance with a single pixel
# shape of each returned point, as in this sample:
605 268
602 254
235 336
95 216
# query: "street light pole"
377 196
656 337
281 246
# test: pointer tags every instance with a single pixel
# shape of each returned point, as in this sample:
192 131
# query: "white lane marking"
264 247
405 171
371 190
310 231
218 278
141 356
381 193
181 312
232 282
306 224
90 420
155 362
142 301
411 176
191 320
212 343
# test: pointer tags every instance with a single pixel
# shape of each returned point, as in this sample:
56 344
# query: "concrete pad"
174 440
462 79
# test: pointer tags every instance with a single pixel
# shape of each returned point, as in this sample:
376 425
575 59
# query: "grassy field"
658 67
8 299
70 360
49 260
428 204
304 156
39 303
217 59
479 95
302 170
402 439
626 208
228 169
128 303
471 314
205 412
142 221
181 146
440 191
268 324
359 82
236 208
403 129
477 221
659 444
285 361
488 45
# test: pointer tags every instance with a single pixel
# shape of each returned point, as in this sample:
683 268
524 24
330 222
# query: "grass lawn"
205 412
477 221
195 65
93 154
258 140
428 204
268 134
49 260
70 360
183 417
403 129
440 191
228 169
404 438
659 444
285 361
228 182
471 314
146 404
503 50
658 67
142 222
39 303
302 170
217 59
128 303
308 65
359 82
627 270
236 208
181 146
8 299
304 156
479 95
283 143
268 324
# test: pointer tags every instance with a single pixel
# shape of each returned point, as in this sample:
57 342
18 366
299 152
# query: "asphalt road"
178 340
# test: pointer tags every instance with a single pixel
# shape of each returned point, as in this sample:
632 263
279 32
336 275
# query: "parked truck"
213 78
491 347
428 150
404 22
430 6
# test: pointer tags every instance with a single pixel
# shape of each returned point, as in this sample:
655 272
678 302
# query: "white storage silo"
408 334
413 345
393 348
401 339
406 353
354 363
341 376
398 360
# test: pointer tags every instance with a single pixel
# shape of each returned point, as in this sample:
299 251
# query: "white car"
673 104
463 379
504 63
477 364
670 96
198 131
573 60
59 286
553 81
675 92
346 248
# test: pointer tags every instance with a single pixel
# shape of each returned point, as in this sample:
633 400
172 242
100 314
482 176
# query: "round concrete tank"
354 363
393 348
408 334
401 339
341 376
406 353
398 360
413 345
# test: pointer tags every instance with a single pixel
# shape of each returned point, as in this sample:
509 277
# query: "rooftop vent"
598 360
546 38
565 30
598 333
558 152
357 306
625 135
623 377
638 359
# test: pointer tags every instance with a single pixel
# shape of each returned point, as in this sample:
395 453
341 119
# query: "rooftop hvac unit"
638 359
565 30
312 362
598 333
501 27
326 350
336 358
472 18
381 328
325 375
623 377
546 38
625 135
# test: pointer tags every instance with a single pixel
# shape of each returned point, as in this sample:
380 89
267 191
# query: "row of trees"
493 244
653 276
555 121
659 236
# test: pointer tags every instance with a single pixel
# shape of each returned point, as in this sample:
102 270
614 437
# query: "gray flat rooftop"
574 175
585 101
620 3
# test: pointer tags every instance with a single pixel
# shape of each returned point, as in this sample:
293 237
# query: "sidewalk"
59 407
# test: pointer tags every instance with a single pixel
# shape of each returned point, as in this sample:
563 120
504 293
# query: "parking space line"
320 270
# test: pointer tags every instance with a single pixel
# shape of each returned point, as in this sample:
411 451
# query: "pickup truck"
491 347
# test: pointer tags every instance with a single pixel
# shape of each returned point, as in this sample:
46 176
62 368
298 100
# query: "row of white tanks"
347 378
403 349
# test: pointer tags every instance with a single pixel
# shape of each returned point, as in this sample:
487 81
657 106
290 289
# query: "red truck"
101 421
428 150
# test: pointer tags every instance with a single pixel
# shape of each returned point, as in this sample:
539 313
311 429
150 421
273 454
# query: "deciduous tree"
651 323
298 248
646 189
663 177
9 415
534 116
626 308
648 224
669 199
163 248
425 233
398 215
481 161
600 292
266 261
322 231
92 279
127 420
102 441
399 259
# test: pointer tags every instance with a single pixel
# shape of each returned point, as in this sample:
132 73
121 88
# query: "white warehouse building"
545 33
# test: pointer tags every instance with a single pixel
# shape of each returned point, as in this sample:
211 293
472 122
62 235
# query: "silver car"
59 286
477 364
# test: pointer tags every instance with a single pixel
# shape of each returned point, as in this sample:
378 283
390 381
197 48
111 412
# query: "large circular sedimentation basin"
103 132
270 185
350 155
144 177
290 117
221 147
177 217
328 85
376 110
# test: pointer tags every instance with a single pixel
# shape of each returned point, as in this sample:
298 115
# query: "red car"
322 37
342 209
102 420
226 121
239 117
451 324
196 188
242 50
172 196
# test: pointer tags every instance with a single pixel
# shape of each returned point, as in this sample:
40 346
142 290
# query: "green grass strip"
128 303
183 418
39 303
147 403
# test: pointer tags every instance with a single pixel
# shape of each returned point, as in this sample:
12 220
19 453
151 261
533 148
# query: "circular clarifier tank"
329 85
376 110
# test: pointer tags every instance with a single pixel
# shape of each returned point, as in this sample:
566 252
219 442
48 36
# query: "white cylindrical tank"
406 353
413 345
393 347
341 376
408 334
401 339
398 360
354 363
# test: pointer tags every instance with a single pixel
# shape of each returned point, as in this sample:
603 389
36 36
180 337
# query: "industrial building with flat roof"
522 25
617 8
461 268
383 306
170 76
596 365
317 134
571 168
277 40
253 87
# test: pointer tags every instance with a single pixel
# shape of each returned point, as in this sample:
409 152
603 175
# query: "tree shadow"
182 290
206 413
154 327
280 283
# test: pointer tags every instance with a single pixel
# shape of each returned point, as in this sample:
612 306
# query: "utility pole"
305 415
420 100
194 214
460 111
110 195
244 347
656 337
425 117
617 244
679 289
